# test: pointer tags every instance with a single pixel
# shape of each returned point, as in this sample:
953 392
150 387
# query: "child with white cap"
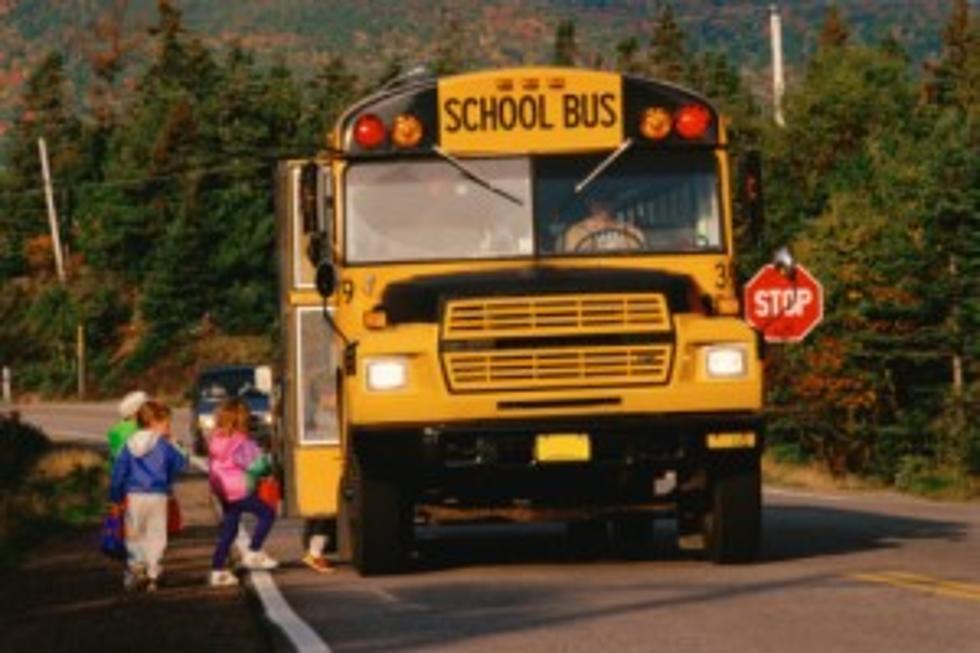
122 430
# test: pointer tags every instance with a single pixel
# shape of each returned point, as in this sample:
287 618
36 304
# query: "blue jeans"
232 515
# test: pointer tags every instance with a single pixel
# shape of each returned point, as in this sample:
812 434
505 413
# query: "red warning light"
692 121
369 131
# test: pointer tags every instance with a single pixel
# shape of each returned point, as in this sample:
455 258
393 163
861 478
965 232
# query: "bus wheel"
632 535
732 526
587 539
380 524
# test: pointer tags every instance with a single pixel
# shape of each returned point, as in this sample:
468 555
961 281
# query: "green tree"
565 51
331 90
845 189
667 53
834 33
48 111
627 56
451 52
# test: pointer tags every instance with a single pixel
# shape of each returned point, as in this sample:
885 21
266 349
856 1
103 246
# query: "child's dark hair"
150 412
232 417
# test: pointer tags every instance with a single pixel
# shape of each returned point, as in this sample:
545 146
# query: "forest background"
163 140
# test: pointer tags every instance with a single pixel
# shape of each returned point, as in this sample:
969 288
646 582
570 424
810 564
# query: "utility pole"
778 82
59 261
52 213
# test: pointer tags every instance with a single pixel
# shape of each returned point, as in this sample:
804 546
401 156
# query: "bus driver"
600 231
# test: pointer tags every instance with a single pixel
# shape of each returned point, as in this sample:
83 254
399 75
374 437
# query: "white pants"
146 532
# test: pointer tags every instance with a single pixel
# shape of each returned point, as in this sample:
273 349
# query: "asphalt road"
847 572
87 423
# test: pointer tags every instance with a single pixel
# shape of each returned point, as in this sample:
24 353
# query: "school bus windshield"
426 210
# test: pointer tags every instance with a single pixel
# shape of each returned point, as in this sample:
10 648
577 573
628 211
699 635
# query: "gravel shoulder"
68 596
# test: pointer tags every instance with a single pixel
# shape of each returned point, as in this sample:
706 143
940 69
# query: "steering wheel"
610 239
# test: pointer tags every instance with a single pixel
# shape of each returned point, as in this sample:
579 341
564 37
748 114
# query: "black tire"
587 540
632 535
380 523
733 525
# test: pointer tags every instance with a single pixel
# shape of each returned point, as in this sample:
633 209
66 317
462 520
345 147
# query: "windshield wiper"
605 163
472 174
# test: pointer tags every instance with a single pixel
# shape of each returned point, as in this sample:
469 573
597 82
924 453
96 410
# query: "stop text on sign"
775 302
784 307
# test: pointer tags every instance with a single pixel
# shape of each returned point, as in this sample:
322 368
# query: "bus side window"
316 207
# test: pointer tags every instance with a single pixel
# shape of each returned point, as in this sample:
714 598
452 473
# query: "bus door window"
315 381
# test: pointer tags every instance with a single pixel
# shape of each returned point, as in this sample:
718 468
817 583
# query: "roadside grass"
810 475
920 476
784 465
56 488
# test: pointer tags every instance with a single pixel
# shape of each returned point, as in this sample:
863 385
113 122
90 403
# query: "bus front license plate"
562 448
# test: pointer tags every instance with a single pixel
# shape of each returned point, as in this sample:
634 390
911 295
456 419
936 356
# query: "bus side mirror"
308 203
326 279
750 186
316 205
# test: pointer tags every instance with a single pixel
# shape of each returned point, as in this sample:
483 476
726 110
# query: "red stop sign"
785 308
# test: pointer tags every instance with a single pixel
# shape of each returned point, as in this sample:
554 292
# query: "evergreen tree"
834 33
565 51
844 187
331 90
450 52
667 54
49 112
627 56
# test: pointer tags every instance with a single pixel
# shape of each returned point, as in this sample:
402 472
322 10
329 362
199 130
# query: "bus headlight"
386 373
725 361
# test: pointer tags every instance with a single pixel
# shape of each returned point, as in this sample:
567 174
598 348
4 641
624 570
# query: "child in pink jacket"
235 463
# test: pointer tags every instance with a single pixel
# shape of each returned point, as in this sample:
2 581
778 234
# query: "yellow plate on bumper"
562 448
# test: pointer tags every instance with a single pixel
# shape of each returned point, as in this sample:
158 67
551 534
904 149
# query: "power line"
136 181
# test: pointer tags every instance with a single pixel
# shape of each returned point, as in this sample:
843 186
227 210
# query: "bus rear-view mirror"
326 279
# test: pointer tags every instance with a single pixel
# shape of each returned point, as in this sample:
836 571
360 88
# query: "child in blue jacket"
143 475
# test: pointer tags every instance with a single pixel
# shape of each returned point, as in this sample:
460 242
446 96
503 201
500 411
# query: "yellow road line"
920 583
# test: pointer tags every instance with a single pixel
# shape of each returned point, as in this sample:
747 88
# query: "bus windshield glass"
643 202
431 209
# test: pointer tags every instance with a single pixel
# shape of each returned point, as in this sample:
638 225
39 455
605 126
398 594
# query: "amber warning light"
407 131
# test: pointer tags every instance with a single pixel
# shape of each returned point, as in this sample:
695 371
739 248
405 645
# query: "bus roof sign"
533 109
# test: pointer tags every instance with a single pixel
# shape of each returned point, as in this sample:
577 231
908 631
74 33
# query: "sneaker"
318 564
134 578
259 561
222 578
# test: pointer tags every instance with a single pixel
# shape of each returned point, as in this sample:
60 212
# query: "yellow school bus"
509 295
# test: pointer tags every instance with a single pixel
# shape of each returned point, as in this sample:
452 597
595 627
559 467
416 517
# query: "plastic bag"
175 520
269 492
113 540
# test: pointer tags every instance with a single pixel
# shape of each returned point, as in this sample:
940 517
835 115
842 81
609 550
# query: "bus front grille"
555 316
553 368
